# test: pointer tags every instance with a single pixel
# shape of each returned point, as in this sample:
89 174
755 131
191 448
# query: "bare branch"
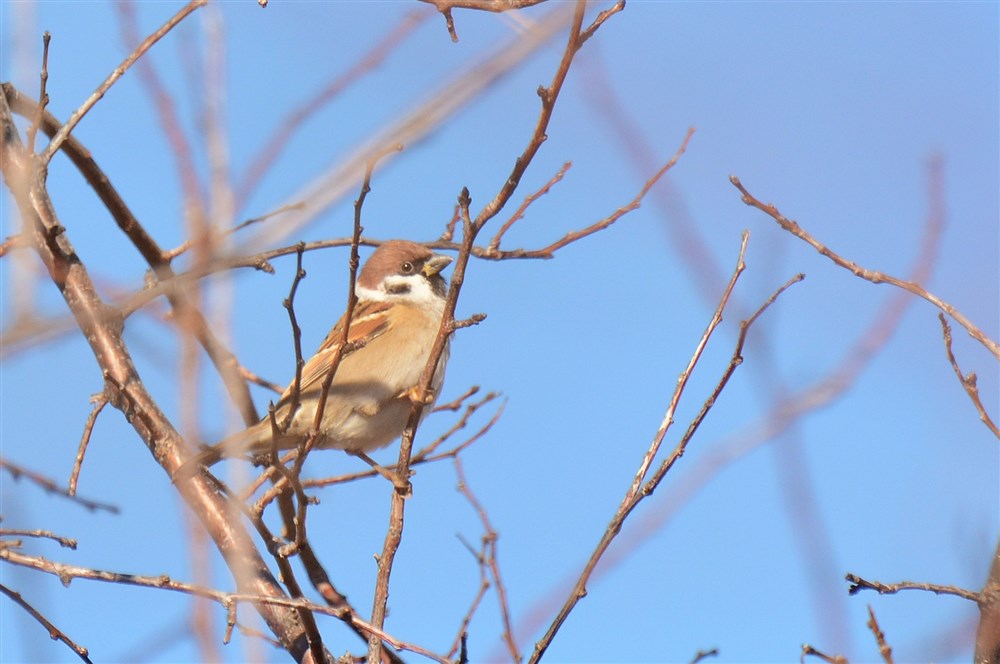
264 266
702 655
488 560
599 21
10 244
858 584
496 6
50 486
988 632
421 121
573 236
873 276
268 155
289 305
119 71
641 487
548 96
99 401
808 650
67 573
65 542
494 244
968 382
125 389
43 97
883 647
427 453
168 284
54 632
403 490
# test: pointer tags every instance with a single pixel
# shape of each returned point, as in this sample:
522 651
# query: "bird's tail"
212 454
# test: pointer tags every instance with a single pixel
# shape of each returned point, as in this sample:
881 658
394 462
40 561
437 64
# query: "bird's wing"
370 320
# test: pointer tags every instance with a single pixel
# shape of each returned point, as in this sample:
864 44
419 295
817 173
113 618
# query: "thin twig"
50 486
642 487
402 491
65 542
119 71
100 401
548 97
343 347
457 402
858 584
174 288
494 243
603 16
246 374
489 560
632 496
101 327
808 650
269 154
484 585
43 97
873 276
780 417
289 304
422 119
968 382
734 362
67 573
186 245
470 230
573 236
883 647
54 632
424 455
704 654
11 243
181 150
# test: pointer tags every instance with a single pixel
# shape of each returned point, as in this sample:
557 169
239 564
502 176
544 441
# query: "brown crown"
389 259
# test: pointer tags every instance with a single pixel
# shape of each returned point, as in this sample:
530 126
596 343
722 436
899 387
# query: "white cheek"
371 294
419 291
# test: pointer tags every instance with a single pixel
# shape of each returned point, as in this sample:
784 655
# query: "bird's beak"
435 264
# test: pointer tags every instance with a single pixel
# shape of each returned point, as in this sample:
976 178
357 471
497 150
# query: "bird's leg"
417 395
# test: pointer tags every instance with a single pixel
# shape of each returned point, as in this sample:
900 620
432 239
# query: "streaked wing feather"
370 320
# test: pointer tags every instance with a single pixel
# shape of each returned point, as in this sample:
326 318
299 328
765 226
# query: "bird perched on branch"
401 297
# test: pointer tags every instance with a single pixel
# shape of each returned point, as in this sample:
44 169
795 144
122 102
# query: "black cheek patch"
397 288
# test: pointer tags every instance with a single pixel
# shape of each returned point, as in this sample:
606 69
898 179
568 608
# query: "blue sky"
831 111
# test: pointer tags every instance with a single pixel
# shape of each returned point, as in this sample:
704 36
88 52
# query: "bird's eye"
407 267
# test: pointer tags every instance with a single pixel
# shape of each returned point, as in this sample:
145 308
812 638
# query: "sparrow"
400 303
